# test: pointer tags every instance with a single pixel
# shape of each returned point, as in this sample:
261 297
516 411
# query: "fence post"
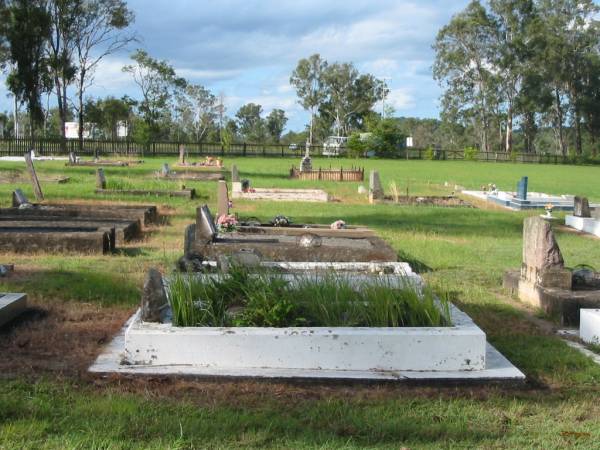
244 150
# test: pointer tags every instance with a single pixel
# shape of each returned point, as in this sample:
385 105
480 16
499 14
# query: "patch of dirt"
57 338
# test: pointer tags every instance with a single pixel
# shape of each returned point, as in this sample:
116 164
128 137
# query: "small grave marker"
222 199
522 188
182 155
100 179
375 189
235 175
19 199
581 207
37 188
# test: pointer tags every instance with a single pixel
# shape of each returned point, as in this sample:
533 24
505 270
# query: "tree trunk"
80 112
578 144
509 130
558 127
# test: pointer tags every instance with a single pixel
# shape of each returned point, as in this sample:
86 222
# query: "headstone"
37 188
100 179
182 155
165 170
581 207
522 188
235 175
375 189
543 263
19 199
222 199
205 225
72 158
189 238
306 162
154 297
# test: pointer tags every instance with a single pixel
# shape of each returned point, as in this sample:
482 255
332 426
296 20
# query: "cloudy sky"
248 49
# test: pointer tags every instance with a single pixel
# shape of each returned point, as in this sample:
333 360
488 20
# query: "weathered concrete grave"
71 228
11 306
305 247
275 194
101 181
582 219
543 281
151 344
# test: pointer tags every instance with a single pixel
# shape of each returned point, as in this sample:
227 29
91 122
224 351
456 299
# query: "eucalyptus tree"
26 30
64 17
100 30
349 96
275 123
158 83
250 123
464 68
308 81
198 110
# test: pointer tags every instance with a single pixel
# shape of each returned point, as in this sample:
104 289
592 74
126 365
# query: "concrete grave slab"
11 305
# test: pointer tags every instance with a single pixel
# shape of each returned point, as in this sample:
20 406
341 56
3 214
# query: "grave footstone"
222 199
522 188
19 199
543 263
154 297
100 179
235 175
37 188
581 207
375 189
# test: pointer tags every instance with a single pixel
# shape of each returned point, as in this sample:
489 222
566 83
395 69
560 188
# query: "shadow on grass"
29 315
86 286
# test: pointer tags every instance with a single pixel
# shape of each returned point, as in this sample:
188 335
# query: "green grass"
460 251
269 300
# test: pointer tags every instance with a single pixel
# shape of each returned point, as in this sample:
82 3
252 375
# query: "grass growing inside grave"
460 251
270 300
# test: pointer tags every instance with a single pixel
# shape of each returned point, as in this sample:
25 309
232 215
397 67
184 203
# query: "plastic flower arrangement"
227 223
281 221
338 225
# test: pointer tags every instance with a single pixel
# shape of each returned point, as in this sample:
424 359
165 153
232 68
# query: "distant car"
334 145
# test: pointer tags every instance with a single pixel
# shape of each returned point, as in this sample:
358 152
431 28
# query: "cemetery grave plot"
166 337
377 195
102 190
241 189
584 218
75 161
544 282
330 174
522 199
11 306
203 240
12 176
210 163
282 225
70 227
167 174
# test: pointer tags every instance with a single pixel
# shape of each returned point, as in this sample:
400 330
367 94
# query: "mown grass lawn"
462 251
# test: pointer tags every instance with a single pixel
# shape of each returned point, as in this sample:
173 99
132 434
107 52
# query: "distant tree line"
521 75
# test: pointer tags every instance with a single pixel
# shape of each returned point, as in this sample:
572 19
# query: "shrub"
429 154
471 153
356 145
